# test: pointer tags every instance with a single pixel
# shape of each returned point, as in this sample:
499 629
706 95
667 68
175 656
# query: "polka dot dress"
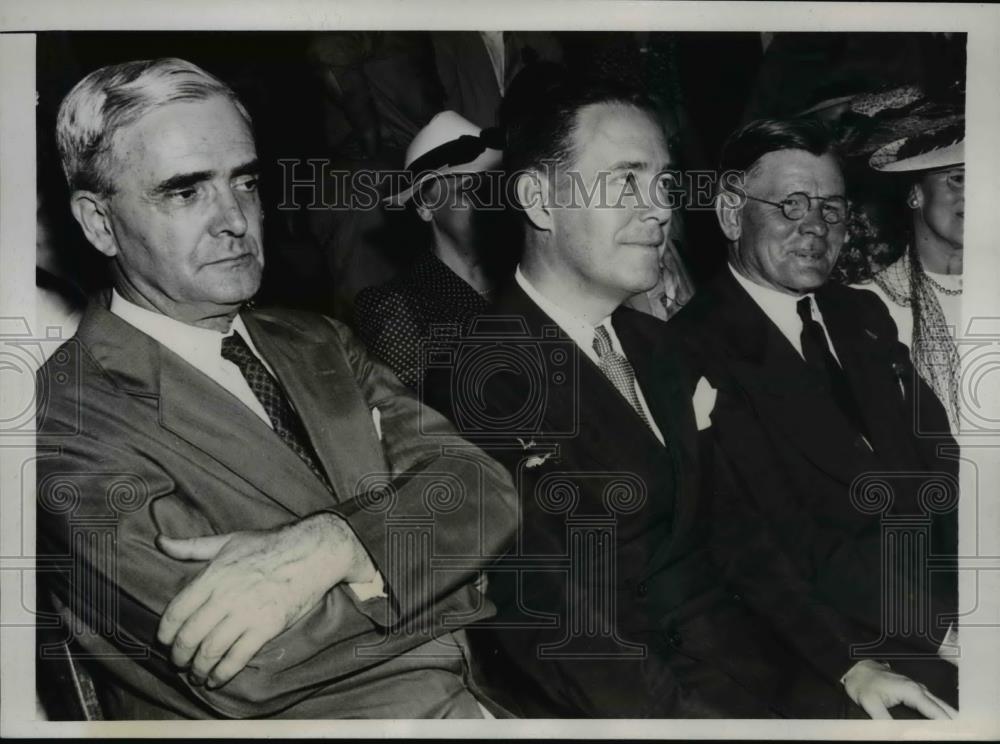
396 319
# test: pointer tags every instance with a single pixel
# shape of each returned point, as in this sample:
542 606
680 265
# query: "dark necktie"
617 369
285 421
817 353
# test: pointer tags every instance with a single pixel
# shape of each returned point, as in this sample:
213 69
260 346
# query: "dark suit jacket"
609 604
133 442
805 489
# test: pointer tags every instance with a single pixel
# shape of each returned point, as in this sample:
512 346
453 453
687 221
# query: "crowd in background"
357 99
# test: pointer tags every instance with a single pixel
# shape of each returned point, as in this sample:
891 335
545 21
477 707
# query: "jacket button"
675 639
737 596
642 590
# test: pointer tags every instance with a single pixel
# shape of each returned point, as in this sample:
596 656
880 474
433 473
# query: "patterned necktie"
617 369
285 421
817 353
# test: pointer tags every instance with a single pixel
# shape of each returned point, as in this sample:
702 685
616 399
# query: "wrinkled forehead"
183 134
783 172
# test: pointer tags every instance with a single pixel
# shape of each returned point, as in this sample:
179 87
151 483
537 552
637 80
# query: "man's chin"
237 294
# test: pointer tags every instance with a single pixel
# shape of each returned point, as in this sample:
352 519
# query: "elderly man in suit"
609 603
236 494
819 416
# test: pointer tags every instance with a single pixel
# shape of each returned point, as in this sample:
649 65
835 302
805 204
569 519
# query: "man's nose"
229 217
657 206
813 223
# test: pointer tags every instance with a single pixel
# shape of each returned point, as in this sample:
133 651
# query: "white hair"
116 96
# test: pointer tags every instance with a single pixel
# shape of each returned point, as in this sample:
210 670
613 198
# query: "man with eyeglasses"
818 466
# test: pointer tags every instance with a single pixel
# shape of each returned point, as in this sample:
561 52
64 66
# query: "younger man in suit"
231 488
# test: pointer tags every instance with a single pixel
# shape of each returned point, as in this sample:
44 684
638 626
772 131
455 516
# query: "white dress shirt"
199 347
782 309
202 349
582 334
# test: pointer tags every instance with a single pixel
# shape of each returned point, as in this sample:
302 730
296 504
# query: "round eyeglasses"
796 206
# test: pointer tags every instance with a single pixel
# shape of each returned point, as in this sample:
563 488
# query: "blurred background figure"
906 163
354 100
379 89
60 299
922 287
451 276
476 67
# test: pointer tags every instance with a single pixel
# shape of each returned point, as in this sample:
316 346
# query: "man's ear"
915 199
91 211
729 212
531 189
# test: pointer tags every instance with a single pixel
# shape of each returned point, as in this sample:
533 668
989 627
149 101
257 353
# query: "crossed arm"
272 600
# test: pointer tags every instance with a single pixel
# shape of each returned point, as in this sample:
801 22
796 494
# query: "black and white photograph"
595 369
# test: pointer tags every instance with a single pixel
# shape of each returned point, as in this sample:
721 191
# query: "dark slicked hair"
750 143
540 126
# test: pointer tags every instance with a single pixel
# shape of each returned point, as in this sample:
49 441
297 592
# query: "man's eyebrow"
638 165
186 180
250 168
628 165
182 181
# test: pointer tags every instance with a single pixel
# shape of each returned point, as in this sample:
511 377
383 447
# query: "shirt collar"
577 329
776 305
199 347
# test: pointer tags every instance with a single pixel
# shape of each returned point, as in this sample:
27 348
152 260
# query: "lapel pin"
535 460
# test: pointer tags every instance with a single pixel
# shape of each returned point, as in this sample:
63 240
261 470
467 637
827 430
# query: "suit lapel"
782 387
593 407
660 376
866 362
196 409
321 386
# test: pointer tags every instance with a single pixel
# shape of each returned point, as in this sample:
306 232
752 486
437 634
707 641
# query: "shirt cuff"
369 589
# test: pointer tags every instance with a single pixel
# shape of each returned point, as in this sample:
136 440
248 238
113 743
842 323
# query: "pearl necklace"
942 289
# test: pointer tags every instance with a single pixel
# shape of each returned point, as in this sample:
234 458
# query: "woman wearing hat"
448 282
922 287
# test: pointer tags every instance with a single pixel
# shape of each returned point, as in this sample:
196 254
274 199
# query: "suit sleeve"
473 518
118 584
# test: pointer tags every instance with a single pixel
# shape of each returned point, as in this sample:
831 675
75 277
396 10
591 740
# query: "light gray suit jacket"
133 442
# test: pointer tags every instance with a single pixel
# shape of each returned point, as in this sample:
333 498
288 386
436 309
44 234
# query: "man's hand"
257 585
876 689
